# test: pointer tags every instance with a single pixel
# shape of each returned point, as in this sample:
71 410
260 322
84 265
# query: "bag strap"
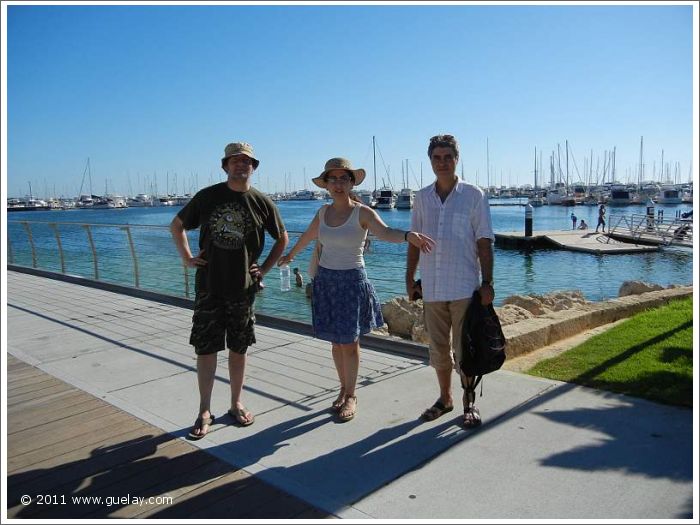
472 388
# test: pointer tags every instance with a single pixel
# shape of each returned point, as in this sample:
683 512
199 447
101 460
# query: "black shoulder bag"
483 342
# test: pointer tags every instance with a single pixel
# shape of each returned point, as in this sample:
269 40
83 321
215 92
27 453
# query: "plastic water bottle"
285 278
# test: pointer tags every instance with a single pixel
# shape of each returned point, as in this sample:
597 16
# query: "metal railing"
145 257
651 230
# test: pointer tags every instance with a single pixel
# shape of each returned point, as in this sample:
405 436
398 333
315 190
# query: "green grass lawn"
650 355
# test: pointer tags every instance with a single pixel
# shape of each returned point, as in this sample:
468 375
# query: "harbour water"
540 271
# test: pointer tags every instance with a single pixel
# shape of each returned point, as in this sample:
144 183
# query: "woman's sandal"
199 424
346 413
339 402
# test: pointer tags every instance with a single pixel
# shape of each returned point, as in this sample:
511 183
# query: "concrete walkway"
547 450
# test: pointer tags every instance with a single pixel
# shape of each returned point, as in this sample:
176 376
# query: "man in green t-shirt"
233 218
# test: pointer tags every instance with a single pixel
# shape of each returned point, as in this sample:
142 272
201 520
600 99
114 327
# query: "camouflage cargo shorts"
220 323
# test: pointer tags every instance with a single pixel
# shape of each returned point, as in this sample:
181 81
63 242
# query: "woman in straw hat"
344 304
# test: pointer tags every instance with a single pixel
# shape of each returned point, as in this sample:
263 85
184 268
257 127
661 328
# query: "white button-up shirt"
452 270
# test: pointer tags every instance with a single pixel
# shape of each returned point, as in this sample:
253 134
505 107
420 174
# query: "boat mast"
374 158
535 167
567 165
488 174
641 158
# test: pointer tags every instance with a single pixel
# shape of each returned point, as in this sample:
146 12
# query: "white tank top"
342 246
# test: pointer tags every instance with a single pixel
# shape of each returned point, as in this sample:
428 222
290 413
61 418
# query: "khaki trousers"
442 319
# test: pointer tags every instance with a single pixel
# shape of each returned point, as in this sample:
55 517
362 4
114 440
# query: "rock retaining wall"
532 322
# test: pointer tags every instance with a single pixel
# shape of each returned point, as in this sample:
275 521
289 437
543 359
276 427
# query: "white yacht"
84 202
305 195
620 195
366 197
385 199
404 200
670 194
142 200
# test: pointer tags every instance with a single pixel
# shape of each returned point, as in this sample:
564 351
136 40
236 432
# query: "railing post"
54 226
31 242
94 252
133 255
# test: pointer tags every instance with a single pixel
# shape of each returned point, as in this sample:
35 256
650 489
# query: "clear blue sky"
157 91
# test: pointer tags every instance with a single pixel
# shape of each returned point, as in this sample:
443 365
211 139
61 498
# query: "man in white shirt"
457 216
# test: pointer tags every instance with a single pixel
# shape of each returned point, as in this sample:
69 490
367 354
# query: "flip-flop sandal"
238 415
438 409
199 424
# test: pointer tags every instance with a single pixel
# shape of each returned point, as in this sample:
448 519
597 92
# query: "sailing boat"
385 195
536 199
366 196
404 200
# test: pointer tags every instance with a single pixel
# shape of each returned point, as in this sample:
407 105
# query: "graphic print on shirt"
230 223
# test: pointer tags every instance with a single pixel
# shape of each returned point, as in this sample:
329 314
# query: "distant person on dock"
574 220
298 278
583 225
601 218
344 303
233 218
458 214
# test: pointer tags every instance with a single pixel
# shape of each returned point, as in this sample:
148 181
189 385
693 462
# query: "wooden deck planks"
65 443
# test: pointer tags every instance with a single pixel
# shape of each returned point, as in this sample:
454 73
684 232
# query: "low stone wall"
532 322
532 334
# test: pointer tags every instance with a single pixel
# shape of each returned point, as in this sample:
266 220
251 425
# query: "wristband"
405 236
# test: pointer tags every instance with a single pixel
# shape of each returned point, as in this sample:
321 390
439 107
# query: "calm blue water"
516 271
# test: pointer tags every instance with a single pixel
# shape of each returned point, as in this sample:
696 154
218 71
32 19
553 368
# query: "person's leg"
438 324
207 337
236 372
240 334
206 372
350 354
340 369
458 310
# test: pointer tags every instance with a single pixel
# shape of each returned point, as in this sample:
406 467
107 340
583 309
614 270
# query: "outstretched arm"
370 220
309 235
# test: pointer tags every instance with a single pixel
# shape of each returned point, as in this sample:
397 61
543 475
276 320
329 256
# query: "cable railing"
145 257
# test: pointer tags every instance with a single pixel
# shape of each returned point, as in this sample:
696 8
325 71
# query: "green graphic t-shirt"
232 236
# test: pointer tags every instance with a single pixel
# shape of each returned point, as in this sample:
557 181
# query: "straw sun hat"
339 163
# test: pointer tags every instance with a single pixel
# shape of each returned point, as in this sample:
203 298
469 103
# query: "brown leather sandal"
349 413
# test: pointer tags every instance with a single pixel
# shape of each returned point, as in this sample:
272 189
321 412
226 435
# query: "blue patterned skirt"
344 305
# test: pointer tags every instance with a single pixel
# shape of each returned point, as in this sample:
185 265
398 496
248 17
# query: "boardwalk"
107 394
67 450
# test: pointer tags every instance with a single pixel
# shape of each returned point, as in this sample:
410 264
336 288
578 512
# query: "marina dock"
575 240
102 393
